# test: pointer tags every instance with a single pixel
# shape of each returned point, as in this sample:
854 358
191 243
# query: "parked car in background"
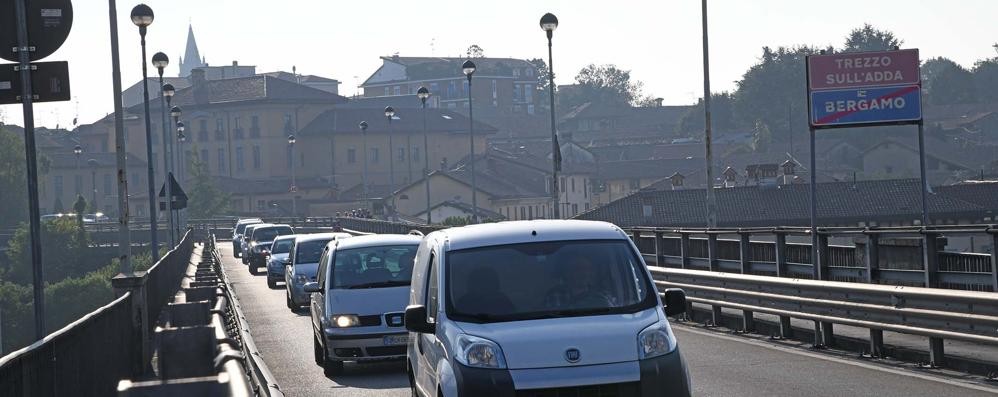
278 257
237 234
358 299
553 307
304 263
259 244
244 248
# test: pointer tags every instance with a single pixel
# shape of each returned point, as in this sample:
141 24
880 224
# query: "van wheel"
291 305
252 268
412 380
271 283
320 353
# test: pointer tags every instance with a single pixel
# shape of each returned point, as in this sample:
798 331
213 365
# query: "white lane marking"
931 378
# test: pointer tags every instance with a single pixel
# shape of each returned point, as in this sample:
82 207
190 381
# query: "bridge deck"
720 365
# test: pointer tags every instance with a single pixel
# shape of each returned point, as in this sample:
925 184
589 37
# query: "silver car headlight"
344 320
656 340
473 351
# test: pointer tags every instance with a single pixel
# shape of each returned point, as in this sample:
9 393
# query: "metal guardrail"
163 278
938 314
911 256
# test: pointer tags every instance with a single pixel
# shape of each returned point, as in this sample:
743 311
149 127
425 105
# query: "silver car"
277 258
359 298
304 263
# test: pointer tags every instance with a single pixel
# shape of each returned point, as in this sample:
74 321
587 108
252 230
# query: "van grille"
369 321
606 390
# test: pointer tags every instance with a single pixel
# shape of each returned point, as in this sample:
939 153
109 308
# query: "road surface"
720 365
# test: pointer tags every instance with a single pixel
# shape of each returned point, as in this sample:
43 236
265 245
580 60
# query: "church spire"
192 57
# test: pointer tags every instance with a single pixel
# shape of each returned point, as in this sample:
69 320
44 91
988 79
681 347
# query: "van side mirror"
675 302
312 287
415 320
287 261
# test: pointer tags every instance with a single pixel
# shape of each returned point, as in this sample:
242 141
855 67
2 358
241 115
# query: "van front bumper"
660 376
364 347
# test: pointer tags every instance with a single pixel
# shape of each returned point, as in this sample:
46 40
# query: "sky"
658 41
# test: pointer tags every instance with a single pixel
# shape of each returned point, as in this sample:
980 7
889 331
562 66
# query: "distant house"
593 121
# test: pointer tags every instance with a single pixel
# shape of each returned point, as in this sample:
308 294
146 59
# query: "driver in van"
580 286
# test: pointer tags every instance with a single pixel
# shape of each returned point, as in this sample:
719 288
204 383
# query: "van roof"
320 236
287 237
249 220
375 240
515 232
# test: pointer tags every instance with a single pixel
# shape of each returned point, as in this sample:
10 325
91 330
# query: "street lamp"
363 133
468 68
175 113
294 187
93 181
160 61
180 168
142 16
549 23
423 95
78 150
390 114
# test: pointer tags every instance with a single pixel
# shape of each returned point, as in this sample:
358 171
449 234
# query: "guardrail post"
936 352
684 248
930 259
712 252
659 250
786 330
994 262
821 262
745 252
873 260
781 254
135 283
877 343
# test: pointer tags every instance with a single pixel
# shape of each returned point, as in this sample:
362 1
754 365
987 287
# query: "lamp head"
142 15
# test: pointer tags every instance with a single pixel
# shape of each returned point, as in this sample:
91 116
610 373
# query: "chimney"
658 102
789 169
443 164
199 85
677 181
729 177
235 63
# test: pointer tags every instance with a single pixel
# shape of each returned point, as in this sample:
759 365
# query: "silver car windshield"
281 246
545 280
373 267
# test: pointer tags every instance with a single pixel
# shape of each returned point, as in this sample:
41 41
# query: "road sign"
49 81
863 69
49 22
179 196
866 105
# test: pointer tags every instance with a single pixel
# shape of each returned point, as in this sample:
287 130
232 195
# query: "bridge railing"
909 256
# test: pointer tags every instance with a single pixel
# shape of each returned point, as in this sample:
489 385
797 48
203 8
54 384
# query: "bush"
63 252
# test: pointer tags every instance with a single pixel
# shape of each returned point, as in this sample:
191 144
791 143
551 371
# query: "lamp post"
160 61
423 95
181 138
93 182
468 68
363 133
142 16
180 134
390 114
175 113
708 150
78 150
294 187
549 23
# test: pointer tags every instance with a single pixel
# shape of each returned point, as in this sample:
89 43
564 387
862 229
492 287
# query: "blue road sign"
866 105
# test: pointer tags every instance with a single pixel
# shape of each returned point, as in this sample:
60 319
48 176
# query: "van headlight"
656 340
345 320
473 351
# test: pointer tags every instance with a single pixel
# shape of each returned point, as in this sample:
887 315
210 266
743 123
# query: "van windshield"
241 227
282 246
373 267
546 280
310 251
270 233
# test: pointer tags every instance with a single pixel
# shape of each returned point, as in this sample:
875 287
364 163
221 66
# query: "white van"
539 308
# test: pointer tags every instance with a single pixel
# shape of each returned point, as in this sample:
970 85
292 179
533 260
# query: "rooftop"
518 232
347 120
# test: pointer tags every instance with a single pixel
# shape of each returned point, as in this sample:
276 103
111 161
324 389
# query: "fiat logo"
573 355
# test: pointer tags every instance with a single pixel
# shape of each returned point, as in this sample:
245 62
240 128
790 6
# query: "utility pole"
124 234
711 199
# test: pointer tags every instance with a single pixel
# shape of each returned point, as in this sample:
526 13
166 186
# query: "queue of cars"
545 307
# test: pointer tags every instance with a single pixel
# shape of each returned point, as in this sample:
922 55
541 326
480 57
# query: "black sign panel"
49 22
179 196
49 81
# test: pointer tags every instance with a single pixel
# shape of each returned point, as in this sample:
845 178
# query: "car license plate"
395 340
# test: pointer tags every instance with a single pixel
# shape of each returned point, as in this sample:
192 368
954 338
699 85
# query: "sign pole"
924 177
813 188
708 153
34 212
124 234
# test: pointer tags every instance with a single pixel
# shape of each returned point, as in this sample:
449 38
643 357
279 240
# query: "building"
192 58
592 121
500 85
318 82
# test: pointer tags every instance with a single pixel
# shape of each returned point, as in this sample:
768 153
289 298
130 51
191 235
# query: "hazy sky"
659 41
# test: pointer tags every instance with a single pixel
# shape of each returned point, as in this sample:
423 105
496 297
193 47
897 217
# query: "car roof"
270 225
287 237
249 220
375 240
320 236
514 232
256 225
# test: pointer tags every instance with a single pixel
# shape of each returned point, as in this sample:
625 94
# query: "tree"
206 200
543 90
474 51
63 241
13 178
722 117
986 79
868 38
947 83
605 85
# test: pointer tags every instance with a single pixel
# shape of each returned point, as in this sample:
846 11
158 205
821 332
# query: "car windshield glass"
281 247
270 233
242 227
373 267
310 251
545 280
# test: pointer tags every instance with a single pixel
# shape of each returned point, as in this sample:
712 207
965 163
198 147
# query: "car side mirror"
287 261
415 320
312 287
675 302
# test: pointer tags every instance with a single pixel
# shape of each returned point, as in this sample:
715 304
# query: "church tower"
192 58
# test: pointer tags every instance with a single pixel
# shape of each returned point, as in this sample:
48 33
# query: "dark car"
259 242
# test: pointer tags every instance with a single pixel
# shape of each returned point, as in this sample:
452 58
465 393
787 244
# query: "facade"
192 58
506 85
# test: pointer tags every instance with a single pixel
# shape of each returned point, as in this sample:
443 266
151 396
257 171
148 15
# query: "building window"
57 183
435 88
562 185
585 188
256 157
530 72
575 209
240 165
451 90
219 125
219 136
464 88
261 205
387 91
495 90
415 154
107 184
528 93
221 160
204 157
517 90
530 212
401 155
103 146
254 126
573 184
351 156
398 90
374 155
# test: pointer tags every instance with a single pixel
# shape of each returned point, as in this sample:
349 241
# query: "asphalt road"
720 365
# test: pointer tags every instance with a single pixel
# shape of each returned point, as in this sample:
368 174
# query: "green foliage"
205 199
986 79
474 51
722 116
456 221
868 38
62 257
542 95
14 194
947 83
605 85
